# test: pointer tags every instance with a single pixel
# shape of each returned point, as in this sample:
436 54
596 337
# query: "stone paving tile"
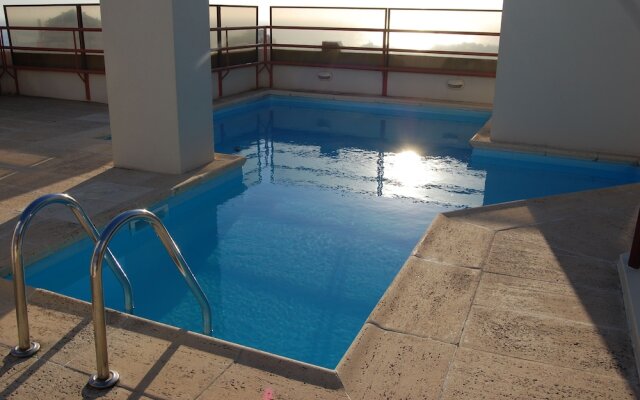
29 180
602 308
552 341
477 375
7 215
428 300
153 359
577 235
240 382
20 159
601 202
526 253
44 237
116 192
377 366
289 369
13 198
452 242
49 381
76 163
497 217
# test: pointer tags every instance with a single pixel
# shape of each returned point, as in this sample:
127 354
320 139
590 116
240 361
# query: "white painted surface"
237 81
568 75
159 83
342 80
475 89
98 88
59 85
423 86
630 282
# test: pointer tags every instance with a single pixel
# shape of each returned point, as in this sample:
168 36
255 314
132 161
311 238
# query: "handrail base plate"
96 383
20 353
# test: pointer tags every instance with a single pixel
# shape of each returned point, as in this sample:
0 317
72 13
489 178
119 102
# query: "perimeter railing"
252 46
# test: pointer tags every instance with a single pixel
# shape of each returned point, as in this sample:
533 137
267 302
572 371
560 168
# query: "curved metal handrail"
25 347
105 378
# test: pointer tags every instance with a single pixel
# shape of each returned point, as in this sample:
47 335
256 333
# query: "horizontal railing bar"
57 69
244 46
236 66
381 50
435 71
239 28
381 30
54 49
49 28
391 9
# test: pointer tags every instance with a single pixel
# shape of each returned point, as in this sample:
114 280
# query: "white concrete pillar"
158 83
568 75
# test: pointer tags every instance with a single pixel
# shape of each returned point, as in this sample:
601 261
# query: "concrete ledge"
630 282
258 94
482 140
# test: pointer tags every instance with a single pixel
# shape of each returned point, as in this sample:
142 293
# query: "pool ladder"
104 378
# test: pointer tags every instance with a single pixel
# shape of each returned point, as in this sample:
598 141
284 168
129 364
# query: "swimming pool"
295 250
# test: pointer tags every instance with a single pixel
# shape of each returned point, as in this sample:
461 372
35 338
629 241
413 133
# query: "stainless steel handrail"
105 378
25 347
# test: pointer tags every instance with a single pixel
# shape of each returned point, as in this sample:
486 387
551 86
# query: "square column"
158 70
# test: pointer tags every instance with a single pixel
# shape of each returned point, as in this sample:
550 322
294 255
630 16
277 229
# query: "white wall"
569 75
237 81
475 89
422 86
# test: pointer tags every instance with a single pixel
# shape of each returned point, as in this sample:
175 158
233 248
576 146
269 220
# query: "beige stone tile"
132 177
478 375
386 365
288 368
53 322
12 367
552 341
153 358
240 382
598 236
526 253
43 237
582 304
456 243
32 180
5 171
601 202
49 381
8 216
20 159
108 191
428 299
76 163
497 217
15 198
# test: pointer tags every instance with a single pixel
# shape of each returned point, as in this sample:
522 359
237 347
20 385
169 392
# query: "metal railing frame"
266 63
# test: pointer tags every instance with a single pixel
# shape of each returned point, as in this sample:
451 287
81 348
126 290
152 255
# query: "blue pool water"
295 250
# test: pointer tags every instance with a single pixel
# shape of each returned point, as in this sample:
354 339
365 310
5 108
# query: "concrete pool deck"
520 300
